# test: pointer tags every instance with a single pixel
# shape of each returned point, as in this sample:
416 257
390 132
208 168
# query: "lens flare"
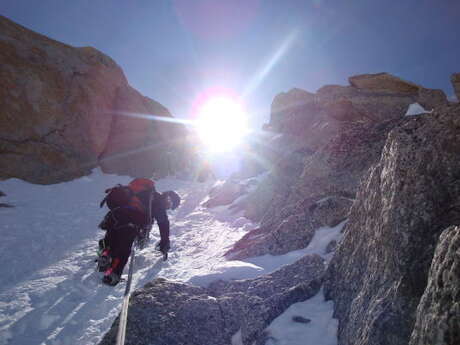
221 124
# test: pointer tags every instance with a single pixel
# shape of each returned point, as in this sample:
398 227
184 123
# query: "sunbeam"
260 76
154 117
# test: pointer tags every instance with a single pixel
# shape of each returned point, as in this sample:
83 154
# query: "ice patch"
228 270
416 109
323 236
321 330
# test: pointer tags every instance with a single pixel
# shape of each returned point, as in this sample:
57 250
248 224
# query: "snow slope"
50 292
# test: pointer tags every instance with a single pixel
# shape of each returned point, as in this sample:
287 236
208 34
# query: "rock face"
438 314
383 82
379 271
288 102
296 205
169 313
331 139
375 97
64 108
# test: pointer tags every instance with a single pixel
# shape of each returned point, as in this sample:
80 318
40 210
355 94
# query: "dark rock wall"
302 178
379 271
438 314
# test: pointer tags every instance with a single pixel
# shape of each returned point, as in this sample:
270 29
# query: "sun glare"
221 124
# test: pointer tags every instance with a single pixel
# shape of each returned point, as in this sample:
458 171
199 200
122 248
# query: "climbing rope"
124 309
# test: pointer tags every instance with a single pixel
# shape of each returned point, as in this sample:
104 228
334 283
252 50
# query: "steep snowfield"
50 292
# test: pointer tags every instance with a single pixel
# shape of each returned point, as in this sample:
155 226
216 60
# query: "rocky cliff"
380 269
401 177
326 143
66 110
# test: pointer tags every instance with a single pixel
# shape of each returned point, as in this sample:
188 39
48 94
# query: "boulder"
173 313
380 268
224 193
430 99
455 80
342 109
372 104
438 314
288 102
256 202
383 82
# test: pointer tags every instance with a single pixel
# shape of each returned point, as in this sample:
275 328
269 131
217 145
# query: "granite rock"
172 313
380 268
438 314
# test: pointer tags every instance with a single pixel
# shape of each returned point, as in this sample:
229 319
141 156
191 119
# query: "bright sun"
221 123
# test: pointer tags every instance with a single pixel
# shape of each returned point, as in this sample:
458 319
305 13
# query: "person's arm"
163 224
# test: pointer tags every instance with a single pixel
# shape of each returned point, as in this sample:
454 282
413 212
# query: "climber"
128 220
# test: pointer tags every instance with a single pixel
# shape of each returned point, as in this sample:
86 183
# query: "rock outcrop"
290 102
383 82
455 79
438 314
64 108
224 193
376 97
302 181
3 204
172 313
332 138
379 271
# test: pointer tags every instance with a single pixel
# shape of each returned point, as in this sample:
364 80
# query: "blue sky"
175 50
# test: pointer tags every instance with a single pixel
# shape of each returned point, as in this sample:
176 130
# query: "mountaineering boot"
111 277
103 260
164 249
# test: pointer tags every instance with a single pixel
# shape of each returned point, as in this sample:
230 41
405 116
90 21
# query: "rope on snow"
124 309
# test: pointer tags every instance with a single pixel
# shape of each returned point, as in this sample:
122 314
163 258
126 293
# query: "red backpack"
120 195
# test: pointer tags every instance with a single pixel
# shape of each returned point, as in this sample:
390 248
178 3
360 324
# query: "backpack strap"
107 192
150 207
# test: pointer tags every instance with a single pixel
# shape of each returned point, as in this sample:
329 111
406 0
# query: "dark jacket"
122 228
158 214
123 225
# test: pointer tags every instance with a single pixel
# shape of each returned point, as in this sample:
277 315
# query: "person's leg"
121 247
